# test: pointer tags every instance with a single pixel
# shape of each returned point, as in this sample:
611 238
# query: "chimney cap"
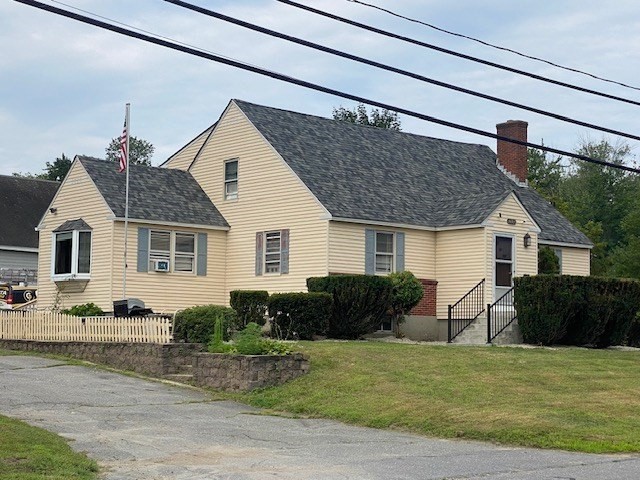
512 123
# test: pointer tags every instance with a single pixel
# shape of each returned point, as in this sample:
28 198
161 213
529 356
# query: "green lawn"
30 453
573 399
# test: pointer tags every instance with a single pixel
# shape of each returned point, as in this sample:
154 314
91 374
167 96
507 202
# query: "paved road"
138 429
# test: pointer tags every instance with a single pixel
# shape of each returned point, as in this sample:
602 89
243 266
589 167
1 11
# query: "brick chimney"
511 156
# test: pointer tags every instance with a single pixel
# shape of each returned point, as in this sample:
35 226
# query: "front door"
503 266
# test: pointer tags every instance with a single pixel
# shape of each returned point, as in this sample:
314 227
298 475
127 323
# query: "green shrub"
250 305
633 337
217 344
299 315
548 261
575 310
249 340
84 310
360 302
197 324
406 293
543 304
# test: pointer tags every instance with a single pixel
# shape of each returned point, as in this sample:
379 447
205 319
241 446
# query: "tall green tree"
546 176
55 170
376 118
140 151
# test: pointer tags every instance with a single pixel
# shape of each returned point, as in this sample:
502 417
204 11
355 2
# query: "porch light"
527 240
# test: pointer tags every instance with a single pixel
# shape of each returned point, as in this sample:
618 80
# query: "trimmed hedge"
197 324
250 305
299 315
360 302
574 310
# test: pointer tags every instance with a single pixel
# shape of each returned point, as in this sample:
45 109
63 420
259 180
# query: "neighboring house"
290 196
23 201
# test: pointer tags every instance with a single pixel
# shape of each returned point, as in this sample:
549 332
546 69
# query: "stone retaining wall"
246 372
227 372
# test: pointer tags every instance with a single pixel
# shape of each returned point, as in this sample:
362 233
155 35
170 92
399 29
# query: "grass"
29 453
572 399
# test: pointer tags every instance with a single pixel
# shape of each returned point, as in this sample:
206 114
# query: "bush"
197 324
633 338
406 293
250 305
360 302
544 308
84 310
575 310
548 261
250 342
299 315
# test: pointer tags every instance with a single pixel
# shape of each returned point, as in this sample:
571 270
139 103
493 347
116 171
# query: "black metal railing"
500 315
463 313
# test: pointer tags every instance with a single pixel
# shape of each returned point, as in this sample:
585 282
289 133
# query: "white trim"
75 252
19 249
563 244
375 252
188 144
170 224
494 260
225 197
536 227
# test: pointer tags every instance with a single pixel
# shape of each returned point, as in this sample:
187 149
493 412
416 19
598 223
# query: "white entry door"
503 265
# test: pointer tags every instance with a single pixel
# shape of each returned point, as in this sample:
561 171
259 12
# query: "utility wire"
498 47
313 86
406 73
456 54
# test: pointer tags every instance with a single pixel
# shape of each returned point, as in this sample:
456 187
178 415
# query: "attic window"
231 180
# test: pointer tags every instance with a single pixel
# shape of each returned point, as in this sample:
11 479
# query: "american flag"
123 147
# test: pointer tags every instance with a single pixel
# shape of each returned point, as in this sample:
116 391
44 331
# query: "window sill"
71 277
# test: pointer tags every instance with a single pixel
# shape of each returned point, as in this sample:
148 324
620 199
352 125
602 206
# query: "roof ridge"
29 178
132 165
357 125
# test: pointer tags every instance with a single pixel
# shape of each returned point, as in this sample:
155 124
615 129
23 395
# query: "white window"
503 272
231 180
72 254
384 253
176 247
272 252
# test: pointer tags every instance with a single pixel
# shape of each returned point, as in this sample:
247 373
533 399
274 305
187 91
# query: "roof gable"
374 174
23 201
155 194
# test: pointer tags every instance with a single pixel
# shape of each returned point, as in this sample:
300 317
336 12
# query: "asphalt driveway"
138 429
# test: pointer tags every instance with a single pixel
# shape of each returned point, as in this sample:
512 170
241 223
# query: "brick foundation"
427 306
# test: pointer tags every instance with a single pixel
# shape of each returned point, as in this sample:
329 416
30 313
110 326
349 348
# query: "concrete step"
476 334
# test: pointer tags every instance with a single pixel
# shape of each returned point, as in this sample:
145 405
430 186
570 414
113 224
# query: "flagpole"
126 208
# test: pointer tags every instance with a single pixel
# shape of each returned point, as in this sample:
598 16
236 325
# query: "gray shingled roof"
156 194
374 174
78 224
23 202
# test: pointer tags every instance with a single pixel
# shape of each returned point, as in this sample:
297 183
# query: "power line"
456 54
304 83
406 73
498 47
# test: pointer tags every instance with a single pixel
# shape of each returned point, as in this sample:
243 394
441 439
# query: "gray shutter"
201 265
284 251
259 249
399 251
369 252
143 249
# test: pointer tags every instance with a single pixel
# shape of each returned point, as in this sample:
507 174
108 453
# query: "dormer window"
231 180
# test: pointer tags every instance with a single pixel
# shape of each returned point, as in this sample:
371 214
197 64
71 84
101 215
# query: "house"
266 198
23 201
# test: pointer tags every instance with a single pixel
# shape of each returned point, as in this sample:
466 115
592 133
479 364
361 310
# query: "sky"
64 85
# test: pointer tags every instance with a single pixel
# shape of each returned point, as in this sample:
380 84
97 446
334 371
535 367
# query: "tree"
53 171
376 118
140 151
546 176
548 262
406 293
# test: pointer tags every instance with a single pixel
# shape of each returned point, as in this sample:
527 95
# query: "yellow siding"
182 159
167 292
576 261
526 259
78 198
460 264
346 249
270 197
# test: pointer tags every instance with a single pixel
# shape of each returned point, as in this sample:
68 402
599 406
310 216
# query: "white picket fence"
59 327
